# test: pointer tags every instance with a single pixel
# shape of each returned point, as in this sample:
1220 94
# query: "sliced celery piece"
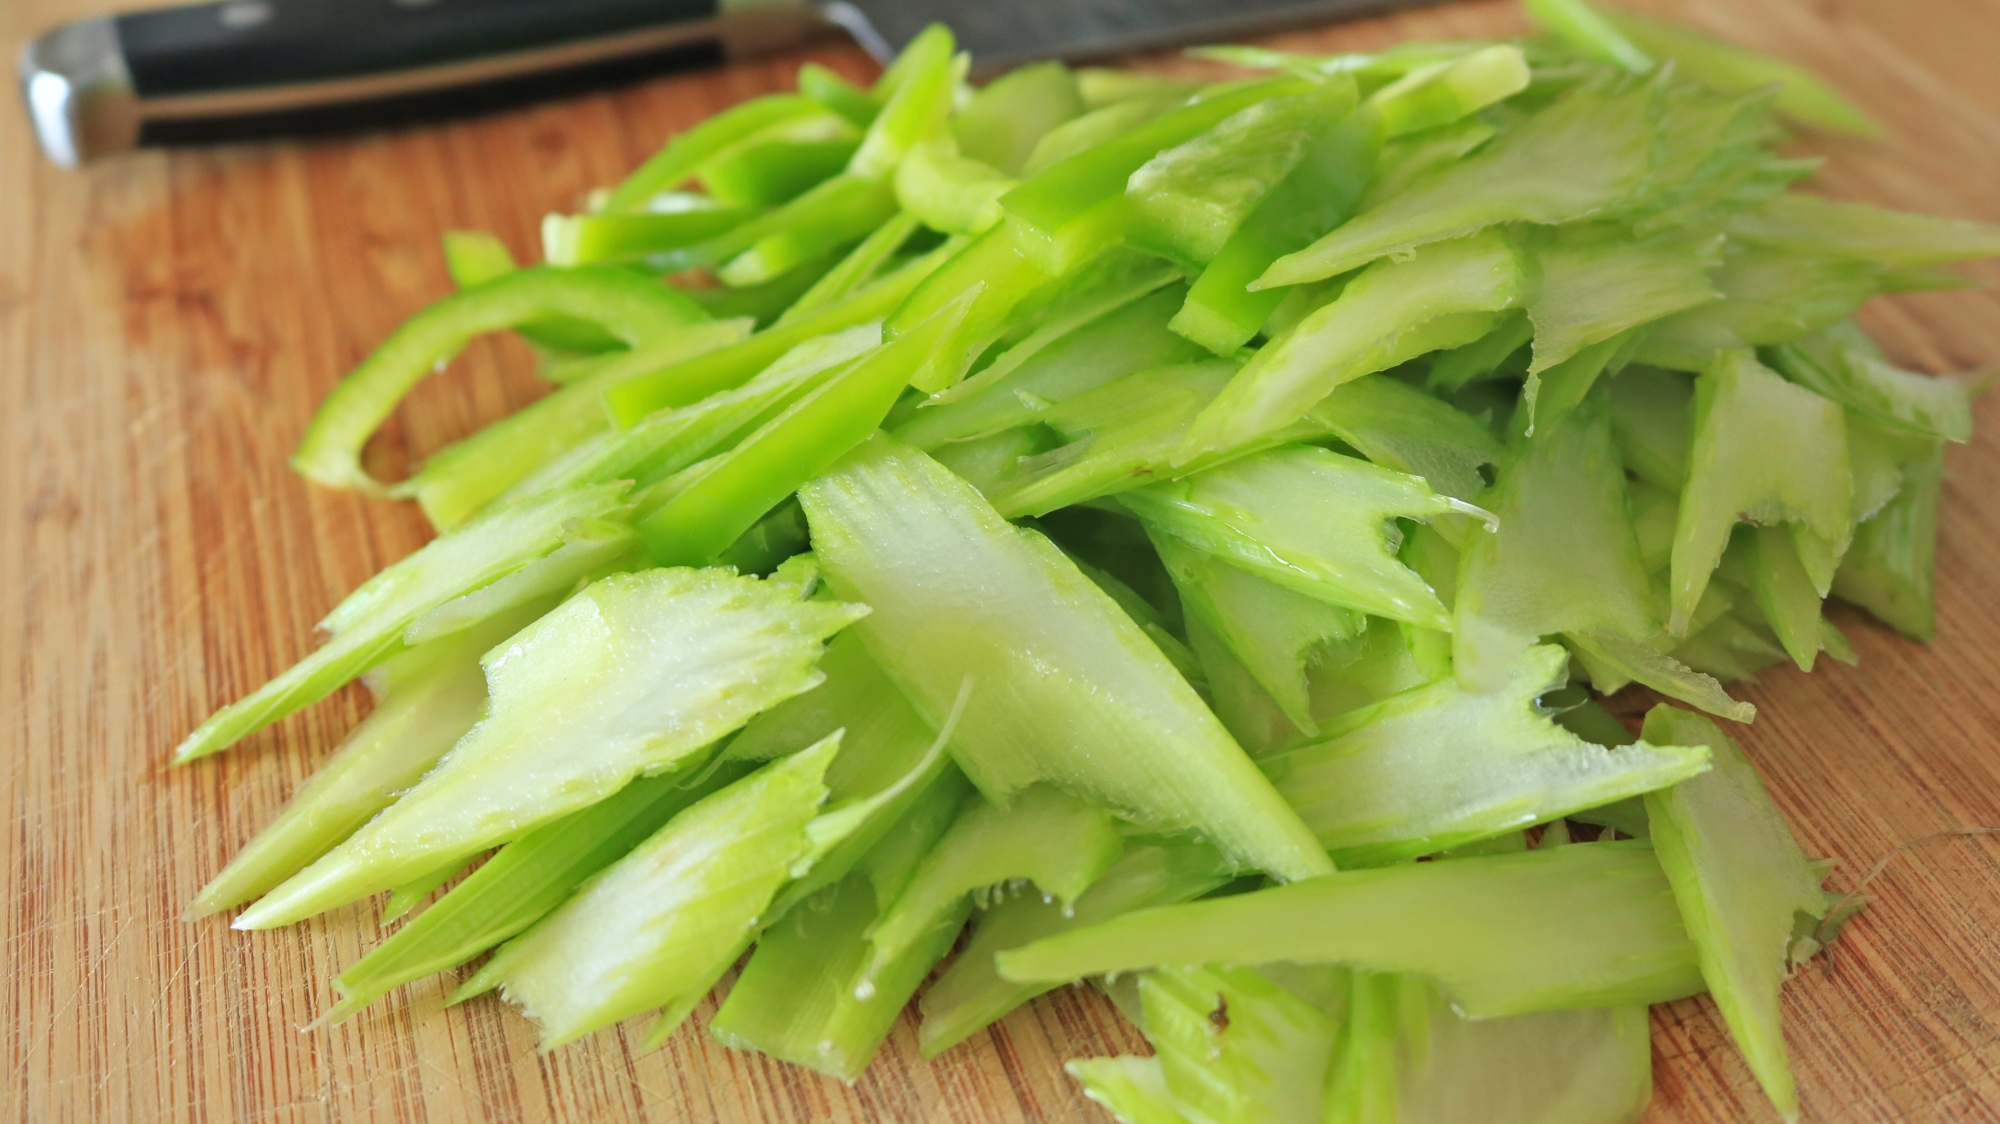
1768 298
1497 354
1448 90
1583 27
1407 159
1596 282
1236 1048
1395 311
971 995
1563 559
1146 617
1043 836
1497 932
1275 632
996 275
410 895
1801 96
658 927
1843 364
1398 426
928 74
1809 224
1066 688
1361 1081
1889 569
631 676
950 192
1769 451
1188 200
1741 882
678 160
1652 417
1008 117
458 480
1784 592
430 696
1377 68
1438 767
522 883
1132 1089
366 628
1611 658
1318 522
1579 157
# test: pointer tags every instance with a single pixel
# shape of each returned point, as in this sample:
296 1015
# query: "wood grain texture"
168 322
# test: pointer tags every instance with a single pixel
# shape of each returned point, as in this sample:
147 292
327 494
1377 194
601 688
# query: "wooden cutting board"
167 324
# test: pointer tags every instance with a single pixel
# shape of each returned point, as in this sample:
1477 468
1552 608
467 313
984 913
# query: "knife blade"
247 69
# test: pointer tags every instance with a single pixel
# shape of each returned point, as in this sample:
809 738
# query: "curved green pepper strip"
633 308
838 94
678 160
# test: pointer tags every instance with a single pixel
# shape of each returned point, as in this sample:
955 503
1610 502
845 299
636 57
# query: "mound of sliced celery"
1151 533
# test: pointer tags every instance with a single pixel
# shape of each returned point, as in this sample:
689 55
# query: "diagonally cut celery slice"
1768 298
1398 426
1066 688
1889 569
1597 282
1801 95
1843 364
1236 1048
1449 90
1497 932
1314 521
1741 882
592 549
366 628
1784 592
1808 224
633 675
1611 658
1132 1089
1439 767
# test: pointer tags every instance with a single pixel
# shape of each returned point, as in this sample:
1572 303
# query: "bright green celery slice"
1407 159
1764 450
1784 592
970 995
430 696
1889 568
1581 156
1809 224
1768 297
1563 558
999 278
366 628
632 675
1741 882
1221 313
1237 1048
1315 521
1064 211
692 517
678 160
1499 354
927 75
1442 297
837 212
523 882
950 192
1361 1085
570 240
1586 29
1597 282
1187 200
1438 767
1801 96
1613 661
1448 90
1147 618
1843 364
1043 836
1652 418
1133 1089
1498 933
1055 364
1067 688
1008 117
1398 426
635 309
461 478
660 926
1273 631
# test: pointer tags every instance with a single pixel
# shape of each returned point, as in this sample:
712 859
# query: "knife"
242 69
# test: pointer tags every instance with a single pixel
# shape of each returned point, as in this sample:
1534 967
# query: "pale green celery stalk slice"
1449 90
1273 631
1380 67
410 895
1741 881
970 995
1768 298
917 107
1242 704
1399 426
1361 1081
1066 687
993 462
1733 648
1714 158
1764 450
1009 116
1889 569
1148 618
1611 658
1843 364
1383 661
1187 200
950 192
1438 767
1317 522
1597 282
1548 395
631 676
1784 592
1057 364
1652 418
1563 558
861 266
592 549
367 627
1580 156
523 882
1497 354
1406 159
658 927
1498 933
1654 511
1132 1089
1586 29
430 696
1801 96
1442 297
1236 1048
1592 1066
1809 224
1044 836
